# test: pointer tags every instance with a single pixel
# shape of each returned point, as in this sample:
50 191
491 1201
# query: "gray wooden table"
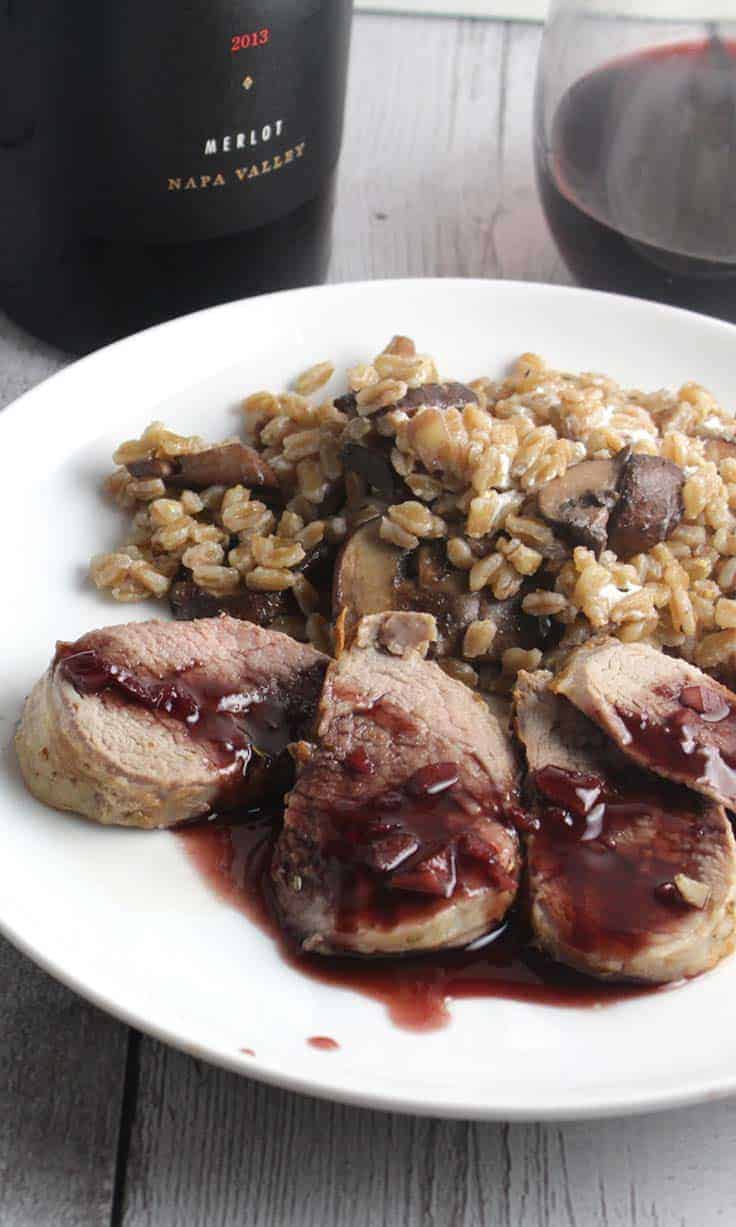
101 1126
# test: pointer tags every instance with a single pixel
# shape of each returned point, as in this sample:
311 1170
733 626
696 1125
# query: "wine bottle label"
216 116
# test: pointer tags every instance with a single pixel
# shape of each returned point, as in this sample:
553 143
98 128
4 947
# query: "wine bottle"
159 156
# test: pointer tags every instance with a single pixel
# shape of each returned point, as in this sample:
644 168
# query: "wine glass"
635 145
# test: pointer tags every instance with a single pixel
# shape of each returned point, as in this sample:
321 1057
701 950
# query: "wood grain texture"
436 179
62 1062
436 175
209 1148
61 1076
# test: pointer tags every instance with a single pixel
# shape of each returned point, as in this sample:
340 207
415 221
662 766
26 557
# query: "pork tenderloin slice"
554 732
628 877
661 711
396 835
124 726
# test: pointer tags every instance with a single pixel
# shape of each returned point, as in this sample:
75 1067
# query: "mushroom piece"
142 469
433 395
371 460
649 506
226 464
366 576
372 576
580 502
628 503
442 591
188 601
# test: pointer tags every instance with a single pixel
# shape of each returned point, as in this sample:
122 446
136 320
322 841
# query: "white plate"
123 917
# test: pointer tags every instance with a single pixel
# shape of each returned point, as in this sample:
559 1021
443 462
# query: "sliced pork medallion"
629 877
397 836
153 723
661 711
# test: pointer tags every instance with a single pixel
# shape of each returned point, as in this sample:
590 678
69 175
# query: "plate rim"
587 1106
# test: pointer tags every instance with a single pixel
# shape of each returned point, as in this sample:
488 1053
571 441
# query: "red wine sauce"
401 854
696 740
613 847
245 734
234 858
638 176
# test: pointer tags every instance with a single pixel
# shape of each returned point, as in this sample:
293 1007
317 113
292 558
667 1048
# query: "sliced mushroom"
366 576
628 503
371 460
189 601
580 502
372 576
434 395
226 464
436 588
151 468
649 505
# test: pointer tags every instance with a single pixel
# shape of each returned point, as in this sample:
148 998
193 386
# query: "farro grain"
414 518
312 535
394 534
276 552
313 378
404 346
146 489
425 488
311 479
301 444
543 604
478 638
725 614
209 553
524 559
379 395
483 571
269 579
472 473
460 553
336 530
220 581
514 659
362 376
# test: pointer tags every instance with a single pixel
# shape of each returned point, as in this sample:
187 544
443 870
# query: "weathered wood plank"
208 1148
62 1062
521 239
419 173
437 173
61 1078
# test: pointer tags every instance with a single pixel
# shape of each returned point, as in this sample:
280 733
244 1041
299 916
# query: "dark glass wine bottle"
158 156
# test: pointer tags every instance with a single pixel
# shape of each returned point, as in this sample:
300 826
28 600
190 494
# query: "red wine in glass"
638 176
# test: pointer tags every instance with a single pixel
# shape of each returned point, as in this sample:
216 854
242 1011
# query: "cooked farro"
457 480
